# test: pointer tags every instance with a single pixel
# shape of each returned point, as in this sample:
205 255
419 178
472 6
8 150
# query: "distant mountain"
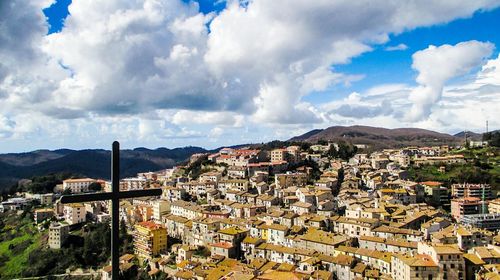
470 135
378 137
91 163
307 135
30 158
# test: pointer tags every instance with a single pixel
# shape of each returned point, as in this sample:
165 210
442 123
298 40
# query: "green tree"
332 152
493 138
95 187
346 151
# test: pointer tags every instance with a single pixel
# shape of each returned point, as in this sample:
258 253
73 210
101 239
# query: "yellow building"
149 239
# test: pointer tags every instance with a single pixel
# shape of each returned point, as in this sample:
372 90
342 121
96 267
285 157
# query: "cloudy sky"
212 73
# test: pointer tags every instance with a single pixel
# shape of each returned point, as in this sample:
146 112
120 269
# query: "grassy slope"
17 262
489 156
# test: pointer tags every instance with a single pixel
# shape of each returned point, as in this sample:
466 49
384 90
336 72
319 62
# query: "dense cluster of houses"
290 213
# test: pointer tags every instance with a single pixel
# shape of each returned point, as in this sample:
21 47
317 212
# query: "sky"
171 73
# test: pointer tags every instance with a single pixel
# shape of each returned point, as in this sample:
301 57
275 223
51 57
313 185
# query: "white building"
160 207
133 183
77 185
74 213
172 193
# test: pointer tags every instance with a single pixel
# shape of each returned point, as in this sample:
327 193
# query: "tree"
340 180
346 151
95 187
126 240
332 152
493 138
322 142
66 192
94 252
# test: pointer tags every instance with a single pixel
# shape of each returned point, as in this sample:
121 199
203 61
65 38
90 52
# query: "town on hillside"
300 211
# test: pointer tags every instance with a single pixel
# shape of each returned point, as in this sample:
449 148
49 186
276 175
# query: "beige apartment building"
74 213
58 232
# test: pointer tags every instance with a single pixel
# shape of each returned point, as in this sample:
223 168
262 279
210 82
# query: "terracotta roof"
224 245
150 225
431 183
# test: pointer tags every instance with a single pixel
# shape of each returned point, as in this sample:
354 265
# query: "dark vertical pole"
115 204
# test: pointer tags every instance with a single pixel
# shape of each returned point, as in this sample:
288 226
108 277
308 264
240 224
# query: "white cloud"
186 117
400 47
125 61
462 105
6 127
436 65
385 89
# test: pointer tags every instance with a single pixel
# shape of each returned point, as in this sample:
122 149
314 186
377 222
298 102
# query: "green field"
19 238
483 166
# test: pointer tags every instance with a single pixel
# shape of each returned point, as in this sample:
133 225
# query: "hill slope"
91 163
379 137
470 135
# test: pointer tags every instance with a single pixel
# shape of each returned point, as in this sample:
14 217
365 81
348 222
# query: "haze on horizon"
172 73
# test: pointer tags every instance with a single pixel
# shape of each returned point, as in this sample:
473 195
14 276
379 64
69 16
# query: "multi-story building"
58 233
320 241
451 159
241 157
293 153
276 234
203 231
74 213
494 206
78 185
42 214
46 199
392 245
408 267
448 257
150 239
465 206
437 193
483 221
133 183
171 193
290 179
160 207
232 184
482 191
229 241
237 172
210 177
186 209
176 226
278 155
468 238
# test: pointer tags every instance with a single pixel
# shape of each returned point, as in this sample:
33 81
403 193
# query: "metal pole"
115 204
